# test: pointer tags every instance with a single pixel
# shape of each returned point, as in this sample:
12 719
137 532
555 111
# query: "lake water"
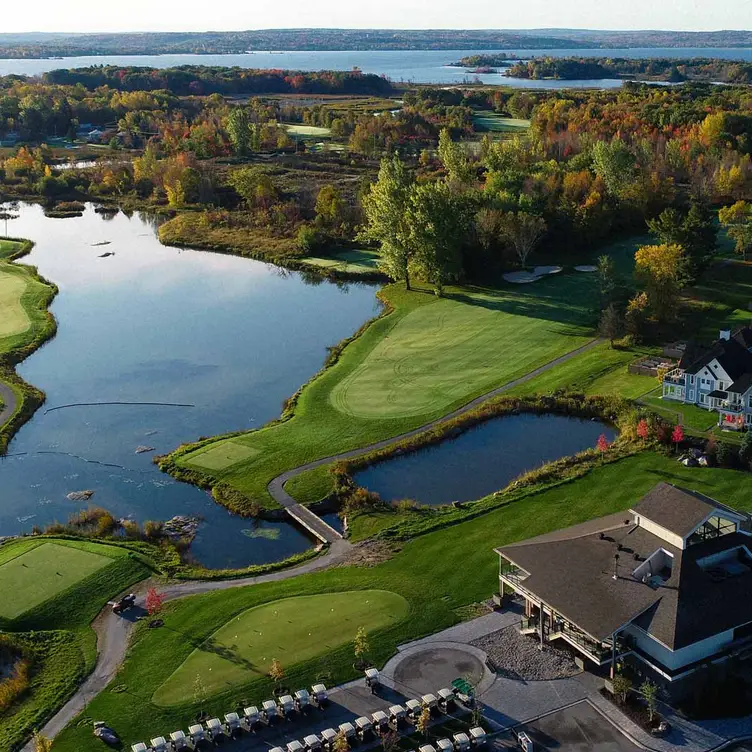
415 66
231 336
482 460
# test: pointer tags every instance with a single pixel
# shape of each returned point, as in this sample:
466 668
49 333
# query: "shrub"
725 454
152 529
309 239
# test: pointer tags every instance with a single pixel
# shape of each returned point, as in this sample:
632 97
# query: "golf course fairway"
291 630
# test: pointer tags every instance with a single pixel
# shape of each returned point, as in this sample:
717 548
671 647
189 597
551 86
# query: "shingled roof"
572 571
733 357
676 509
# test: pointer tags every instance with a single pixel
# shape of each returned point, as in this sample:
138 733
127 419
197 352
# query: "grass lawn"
50 591
13 316
436 573
291 630
220 456
42 573
690 416
356 261
312 131
427 357
488 120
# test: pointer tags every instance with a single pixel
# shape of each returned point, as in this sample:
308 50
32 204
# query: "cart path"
8 397
113 632
276 487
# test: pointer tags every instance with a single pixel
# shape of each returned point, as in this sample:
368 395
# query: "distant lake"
482 460
414 66
231 336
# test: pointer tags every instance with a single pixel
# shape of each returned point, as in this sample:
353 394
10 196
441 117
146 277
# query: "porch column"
540 619
613 655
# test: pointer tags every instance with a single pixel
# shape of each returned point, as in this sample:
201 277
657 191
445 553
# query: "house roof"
744 336
742 384
732 356
572 571
678 510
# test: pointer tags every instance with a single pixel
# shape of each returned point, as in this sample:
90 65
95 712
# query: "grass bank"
25 324
437 574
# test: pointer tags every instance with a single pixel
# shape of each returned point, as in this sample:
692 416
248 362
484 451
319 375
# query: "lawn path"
276 487
113 632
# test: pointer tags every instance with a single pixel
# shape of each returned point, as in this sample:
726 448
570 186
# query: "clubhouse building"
667 584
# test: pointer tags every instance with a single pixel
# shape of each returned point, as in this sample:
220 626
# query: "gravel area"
517 656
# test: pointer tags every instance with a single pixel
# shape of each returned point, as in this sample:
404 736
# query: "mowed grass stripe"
42 573
291 630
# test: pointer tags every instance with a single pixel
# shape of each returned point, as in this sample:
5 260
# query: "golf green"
42 573
220 456
291 630
13 316
439 353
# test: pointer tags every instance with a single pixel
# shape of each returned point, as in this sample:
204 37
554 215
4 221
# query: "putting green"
291 630
13 316
221 455
41 573
296 129
439 353
357 261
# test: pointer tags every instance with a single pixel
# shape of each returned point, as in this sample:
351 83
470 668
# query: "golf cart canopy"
295 746
319 691
347 729
214 724
328 735
197 731
302 696
232 719
380 717
312 741
269 707
286 702
444 745
159 744
251 713
397 711
363 723
446 694
139 747
413 706
372 673
429 700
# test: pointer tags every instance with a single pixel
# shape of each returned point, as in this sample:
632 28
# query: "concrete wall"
661 532
676 659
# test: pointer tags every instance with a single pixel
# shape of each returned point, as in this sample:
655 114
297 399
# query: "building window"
691 395
703 399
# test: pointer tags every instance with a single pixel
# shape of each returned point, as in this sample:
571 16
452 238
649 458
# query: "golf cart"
105 733
126 602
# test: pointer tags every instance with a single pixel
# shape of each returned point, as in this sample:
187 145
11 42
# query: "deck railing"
675 376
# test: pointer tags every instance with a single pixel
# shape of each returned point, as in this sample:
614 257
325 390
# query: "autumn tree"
602 444
523 232
41 743
424 721
154 601
276 672
331 208
643 429
387 223
677 435
662 269
340 743
737 219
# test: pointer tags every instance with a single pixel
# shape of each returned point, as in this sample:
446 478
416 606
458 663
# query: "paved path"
276 487
8 397
113 632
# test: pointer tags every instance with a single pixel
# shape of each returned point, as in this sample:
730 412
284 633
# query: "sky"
193 15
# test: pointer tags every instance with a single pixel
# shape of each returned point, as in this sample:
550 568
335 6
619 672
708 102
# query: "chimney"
616 567
725 334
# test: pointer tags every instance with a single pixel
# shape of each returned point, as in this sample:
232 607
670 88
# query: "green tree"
611 324
622 686
239 130
384 207
737 219
254 185
523 232
649 691
694 231
614 163
745 451
662 269
361 645
606 279
439 224
459 170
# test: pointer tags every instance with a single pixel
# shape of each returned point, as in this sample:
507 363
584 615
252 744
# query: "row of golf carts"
252 718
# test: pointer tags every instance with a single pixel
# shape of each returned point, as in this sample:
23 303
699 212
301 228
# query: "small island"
669 70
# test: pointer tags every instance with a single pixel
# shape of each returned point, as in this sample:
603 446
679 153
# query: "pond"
231 337
482 460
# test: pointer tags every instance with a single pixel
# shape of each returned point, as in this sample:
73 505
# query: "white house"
667 584
717 378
